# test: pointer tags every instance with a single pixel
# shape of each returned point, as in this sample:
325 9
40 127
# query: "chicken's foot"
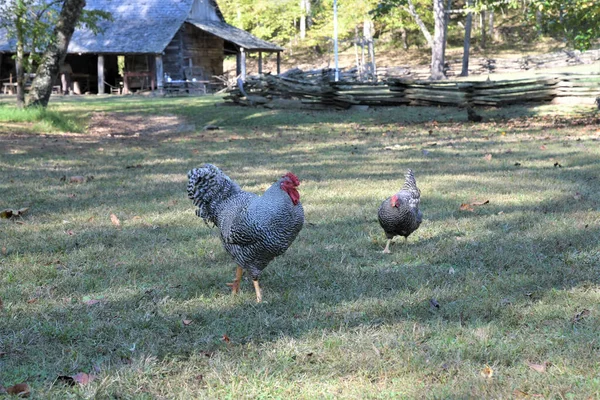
235 285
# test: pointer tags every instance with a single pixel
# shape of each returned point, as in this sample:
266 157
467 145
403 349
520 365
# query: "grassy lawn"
143 306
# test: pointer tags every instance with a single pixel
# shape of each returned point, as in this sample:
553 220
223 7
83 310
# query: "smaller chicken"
400 214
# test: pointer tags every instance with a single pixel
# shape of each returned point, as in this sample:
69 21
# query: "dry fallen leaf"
581 315
90 219
519 394
115 220
3 250
31 301
10 213
541 368
77 179
487 372
466 207
542 147
488 157
70 232
186 322
226 339
82 378
21 390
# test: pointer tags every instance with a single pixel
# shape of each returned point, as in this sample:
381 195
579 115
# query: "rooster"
400 214
254 229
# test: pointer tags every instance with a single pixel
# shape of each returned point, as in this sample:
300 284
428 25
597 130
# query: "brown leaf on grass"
21 390
488 157
10 213
4 250
186 322
69 232
542 147
82 378
77 179
581 315
470 206
31 301
91 219
226 339
466 207
519 394
541 368
115 220
487 372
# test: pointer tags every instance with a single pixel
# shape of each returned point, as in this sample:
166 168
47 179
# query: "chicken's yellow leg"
387 247
257 289
235 285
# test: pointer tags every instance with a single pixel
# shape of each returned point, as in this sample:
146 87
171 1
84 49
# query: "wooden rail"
263 89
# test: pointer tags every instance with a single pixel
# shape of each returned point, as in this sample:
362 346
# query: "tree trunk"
55 54
437 51
302 19
411 10
491 26
483 30
20 56
446 22
467 44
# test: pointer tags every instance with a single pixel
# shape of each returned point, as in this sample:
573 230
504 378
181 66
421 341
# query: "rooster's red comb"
292 178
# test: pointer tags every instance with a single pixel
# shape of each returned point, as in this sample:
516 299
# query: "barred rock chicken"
254 229
400 214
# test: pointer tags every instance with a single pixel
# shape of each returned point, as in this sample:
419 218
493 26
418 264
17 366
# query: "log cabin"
149 43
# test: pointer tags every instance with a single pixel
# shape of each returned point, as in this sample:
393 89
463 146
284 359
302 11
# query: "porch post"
100 74
260 62
158 61
243 63
278 63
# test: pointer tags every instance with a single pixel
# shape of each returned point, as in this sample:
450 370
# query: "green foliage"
269 20
577 21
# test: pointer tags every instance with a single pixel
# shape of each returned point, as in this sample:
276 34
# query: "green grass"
339 318
38 118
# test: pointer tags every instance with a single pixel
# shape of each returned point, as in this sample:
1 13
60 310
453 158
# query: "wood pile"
263 89
500 93
369 94
582 89
266 89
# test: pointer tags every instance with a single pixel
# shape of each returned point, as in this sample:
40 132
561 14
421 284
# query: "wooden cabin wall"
193 53
204 10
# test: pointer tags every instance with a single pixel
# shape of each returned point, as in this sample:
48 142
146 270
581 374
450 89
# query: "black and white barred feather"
253 229
403 217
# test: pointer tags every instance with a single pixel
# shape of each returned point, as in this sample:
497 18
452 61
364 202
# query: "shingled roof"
235 35
147 26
